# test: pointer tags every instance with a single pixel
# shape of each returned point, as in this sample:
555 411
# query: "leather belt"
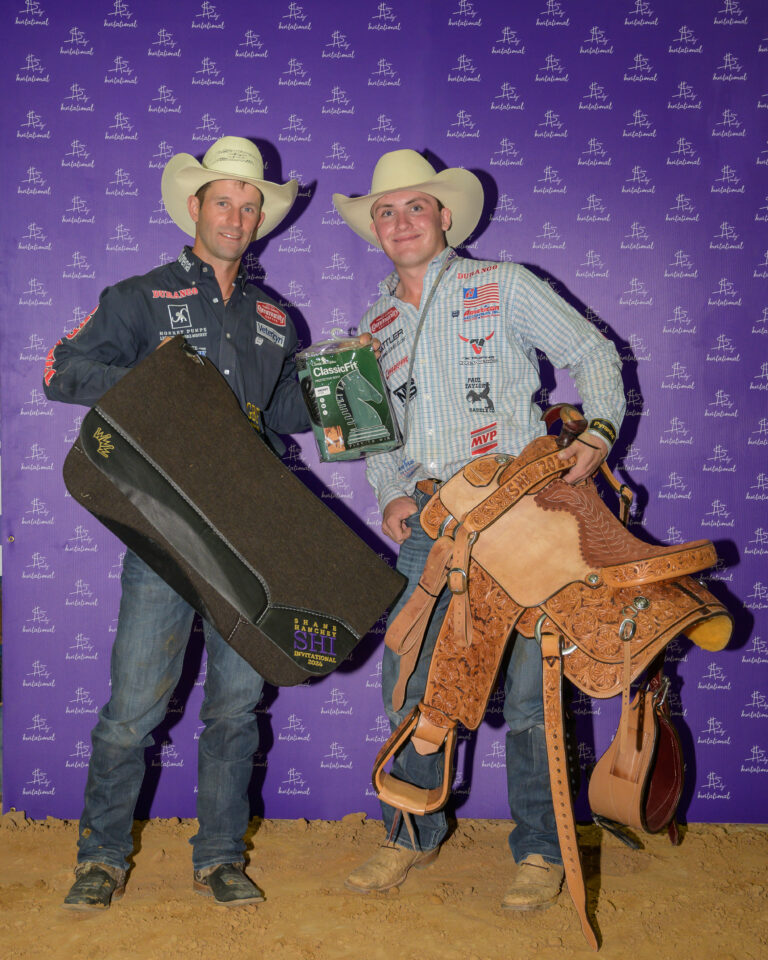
428 486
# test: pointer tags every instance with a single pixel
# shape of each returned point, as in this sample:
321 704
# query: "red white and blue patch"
481 301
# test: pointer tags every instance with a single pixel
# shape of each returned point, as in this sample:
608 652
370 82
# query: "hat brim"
456 188
184 175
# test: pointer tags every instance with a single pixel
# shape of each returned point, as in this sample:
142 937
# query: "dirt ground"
707 898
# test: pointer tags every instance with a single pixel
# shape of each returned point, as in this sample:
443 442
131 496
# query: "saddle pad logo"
483 440
180 316
384 319
269 334
270 313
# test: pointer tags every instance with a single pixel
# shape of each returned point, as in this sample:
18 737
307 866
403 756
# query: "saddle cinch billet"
519 548
169 463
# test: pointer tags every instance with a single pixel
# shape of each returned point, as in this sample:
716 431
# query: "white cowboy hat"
230 158
457 189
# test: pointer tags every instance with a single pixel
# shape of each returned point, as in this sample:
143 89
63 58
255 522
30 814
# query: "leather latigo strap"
405 634
551 652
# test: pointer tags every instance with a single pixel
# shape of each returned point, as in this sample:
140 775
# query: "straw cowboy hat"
457 189
230 158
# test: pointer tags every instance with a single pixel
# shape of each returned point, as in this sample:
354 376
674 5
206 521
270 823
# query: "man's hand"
589 454
396 513
366 338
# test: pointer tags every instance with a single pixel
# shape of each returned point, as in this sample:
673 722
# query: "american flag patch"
486 295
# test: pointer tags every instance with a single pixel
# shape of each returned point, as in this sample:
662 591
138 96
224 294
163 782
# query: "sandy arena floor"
706 899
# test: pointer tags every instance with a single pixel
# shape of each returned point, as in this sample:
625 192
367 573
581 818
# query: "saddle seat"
567 532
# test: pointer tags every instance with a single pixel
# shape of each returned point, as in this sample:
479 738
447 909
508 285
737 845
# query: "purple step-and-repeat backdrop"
624 152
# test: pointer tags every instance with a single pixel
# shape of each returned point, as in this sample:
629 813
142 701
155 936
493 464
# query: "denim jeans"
152 634
528 786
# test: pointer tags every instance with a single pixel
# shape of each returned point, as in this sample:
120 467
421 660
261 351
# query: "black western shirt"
250 339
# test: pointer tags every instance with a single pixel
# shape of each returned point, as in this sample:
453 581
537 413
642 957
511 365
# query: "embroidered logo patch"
481 301
269 334
384 319
180 316
270 313
483 440
477 343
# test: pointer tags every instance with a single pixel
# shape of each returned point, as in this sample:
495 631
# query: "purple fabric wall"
624 153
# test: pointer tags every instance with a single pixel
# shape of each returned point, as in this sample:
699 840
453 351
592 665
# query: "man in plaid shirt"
459 341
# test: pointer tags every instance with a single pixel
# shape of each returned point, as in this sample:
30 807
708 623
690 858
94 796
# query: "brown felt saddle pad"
170 464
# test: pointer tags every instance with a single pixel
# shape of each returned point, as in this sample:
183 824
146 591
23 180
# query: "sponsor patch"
474 273
483 440
482 301
399 392
389 342
271 313
478 395
174 294
269 334
384 319
395 367
49 369
180 316
486 293
477 343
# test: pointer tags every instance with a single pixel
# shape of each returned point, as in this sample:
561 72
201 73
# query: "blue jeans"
528 786
153 630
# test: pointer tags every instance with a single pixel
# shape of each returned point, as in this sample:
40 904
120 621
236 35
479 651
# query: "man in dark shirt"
204 295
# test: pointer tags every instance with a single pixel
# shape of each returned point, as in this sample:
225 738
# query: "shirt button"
226 372
430 432
229 336
205 269
215 299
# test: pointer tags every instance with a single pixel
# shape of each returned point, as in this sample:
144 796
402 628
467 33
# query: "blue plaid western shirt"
476 368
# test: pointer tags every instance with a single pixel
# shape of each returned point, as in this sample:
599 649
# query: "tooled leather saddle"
519 548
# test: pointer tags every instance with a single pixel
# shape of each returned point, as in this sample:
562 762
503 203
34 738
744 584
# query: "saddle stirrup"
407 797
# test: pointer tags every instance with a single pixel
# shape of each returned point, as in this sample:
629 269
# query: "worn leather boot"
388 867
96 886
228 884
536 885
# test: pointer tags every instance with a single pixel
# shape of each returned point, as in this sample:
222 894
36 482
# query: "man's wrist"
603 429
385 501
